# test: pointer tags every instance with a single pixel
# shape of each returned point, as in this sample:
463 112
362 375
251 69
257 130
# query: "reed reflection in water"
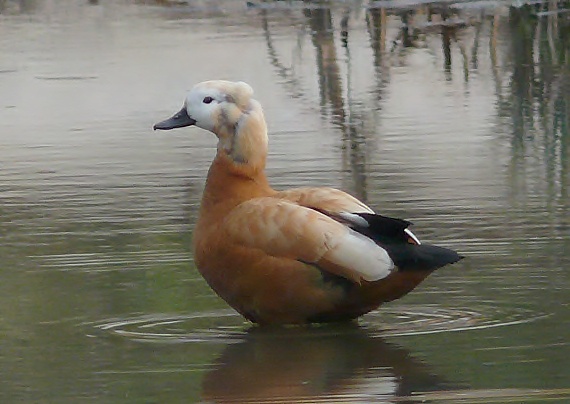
454 115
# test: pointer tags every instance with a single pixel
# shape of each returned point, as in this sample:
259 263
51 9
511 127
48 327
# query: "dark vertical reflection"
475 50
354 135
522 80
539 99
20 6
565 139
449 30
376 24
285 73
328 71
407 36
446 34
320 22
494 58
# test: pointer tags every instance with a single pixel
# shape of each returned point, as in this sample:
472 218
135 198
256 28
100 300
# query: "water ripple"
221 326
431 319
226 326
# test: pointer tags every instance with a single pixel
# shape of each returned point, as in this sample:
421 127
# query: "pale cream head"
227 109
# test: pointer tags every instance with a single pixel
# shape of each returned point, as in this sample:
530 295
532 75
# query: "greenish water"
453 115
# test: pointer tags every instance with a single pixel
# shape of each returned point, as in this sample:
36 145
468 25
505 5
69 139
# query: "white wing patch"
368 259
354 219
412 236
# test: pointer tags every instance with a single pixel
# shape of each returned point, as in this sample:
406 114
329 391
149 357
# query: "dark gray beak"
178 120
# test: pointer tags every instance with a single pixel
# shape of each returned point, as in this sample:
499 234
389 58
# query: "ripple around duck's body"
430 319
226 326
222 326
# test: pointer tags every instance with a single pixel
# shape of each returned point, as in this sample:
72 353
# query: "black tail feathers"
402 246
423 257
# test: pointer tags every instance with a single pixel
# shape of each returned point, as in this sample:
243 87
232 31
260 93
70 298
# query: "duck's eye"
207 100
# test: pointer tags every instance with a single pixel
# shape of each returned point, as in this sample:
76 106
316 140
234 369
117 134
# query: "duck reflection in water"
311 364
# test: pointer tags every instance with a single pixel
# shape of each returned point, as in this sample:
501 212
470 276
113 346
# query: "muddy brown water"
453 115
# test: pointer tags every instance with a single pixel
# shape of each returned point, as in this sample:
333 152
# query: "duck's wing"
282 228
393 235
347 209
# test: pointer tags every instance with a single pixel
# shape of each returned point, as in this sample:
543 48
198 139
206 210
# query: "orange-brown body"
268 289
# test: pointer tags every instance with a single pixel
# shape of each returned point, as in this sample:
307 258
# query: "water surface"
454 115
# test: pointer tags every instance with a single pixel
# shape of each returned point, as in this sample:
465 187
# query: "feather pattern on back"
284 229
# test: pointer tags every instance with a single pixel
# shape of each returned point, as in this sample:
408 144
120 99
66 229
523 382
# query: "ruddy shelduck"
296 256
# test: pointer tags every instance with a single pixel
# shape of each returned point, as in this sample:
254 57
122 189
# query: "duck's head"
226 109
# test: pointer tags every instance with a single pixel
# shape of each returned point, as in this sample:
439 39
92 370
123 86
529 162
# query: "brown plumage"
295 256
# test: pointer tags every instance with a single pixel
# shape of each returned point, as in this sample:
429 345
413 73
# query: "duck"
295 256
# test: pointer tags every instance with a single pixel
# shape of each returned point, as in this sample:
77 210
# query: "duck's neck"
242 135
237 173
230 183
